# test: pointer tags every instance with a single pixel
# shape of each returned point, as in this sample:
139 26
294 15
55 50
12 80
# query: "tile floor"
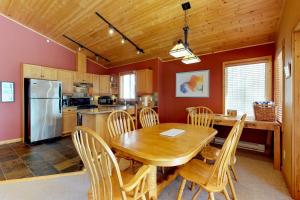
18 160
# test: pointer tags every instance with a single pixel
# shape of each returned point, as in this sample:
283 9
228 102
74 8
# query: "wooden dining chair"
211 153
200 116
212 178
118 123
107 181
148 117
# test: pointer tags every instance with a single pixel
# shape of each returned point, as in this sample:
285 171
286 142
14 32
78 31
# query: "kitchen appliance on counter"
43 109
81 103
105 100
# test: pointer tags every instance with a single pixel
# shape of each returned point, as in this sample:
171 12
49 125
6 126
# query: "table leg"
277 154
152 184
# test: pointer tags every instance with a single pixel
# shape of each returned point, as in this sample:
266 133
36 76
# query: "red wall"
172 109
20 45
153 64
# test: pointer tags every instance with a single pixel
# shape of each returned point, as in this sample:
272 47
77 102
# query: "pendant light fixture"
181 49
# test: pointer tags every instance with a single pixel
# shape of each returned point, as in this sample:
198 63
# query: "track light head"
123 40
111 30
97 58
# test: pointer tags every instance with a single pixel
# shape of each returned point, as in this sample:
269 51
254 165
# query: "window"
127 86
246 82
278 85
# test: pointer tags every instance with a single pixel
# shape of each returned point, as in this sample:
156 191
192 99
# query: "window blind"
246 83
127 86
278 86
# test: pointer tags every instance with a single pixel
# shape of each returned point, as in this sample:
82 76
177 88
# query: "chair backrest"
148 117
99 162
238 137
200 116
220 168
119 122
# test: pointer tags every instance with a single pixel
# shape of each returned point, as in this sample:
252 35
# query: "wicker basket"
264 112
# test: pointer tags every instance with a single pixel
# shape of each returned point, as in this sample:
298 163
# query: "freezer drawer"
45 119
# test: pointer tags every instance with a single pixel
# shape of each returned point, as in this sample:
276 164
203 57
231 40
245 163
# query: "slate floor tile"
18 160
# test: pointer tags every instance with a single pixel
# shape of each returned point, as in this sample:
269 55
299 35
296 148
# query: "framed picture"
7 90
192 84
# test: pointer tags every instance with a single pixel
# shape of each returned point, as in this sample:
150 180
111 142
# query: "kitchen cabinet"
80 77
144 81
69 121
67 79
104 81
48 73
96 84
39 72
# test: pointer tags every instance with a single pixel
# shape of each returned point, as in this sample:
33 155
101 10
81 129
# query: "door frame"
295 71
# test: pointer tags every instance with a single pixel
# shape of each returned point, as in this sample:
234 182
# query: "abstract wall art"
192 84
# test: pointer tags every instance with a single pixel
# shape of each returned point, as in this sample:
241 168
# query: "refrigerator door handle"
60 106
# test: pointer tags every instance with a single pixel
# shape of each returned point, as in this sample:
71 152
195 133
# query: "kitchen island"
96 119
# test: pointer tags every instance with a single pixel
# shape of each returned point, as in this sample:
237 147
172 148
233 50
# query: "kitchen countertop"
102 110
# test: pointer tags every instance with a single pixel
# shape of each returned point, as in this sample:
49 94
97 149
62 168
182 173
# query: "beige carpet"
257 181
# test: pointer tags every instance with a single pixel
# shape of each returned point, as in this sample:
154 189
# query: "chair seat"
210 153
198 172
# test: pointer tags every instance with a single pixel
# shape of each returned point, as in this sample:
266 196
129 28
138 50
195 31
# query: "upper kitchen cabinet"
39 72
67 79
80 77
144 81
104 81
96 84
49 73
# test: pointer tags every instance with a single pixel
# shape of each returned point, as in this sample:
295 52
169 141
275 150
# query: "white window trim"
269 75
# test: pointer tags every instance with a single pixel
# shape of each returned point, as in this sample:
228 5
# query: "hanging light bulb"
79 48
123 40
111 30
138 52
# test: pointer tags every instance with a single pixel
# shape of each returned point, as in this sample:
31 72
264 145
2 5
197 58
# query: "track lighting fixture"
124 38
81 46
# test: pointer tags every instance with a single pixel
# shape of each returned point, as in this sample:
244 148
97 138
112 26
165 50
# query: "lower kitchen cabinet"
69 122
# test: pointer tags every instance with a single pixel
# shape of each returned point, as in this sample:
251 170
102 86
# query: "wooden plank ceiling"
154 25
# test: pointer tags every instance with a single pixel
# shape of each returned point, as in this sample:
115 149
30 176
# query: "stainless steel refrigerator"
43 109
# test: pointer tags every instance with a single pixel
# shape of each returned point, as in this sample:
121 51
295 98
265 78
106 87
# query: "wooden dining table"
148 146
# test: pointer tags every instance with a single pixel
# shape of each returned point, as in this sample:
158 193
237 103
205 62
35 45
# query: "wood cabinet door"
67 79
32 71
48 73
88 78
69 122
104 84
144 81
78 77
96 84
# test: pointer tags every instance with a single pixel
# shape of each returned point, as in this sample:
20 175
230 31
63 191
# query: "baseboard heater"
244 145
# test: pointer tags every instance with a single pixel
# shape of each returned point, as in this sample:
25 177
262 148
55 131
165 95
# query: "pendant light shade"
179 50
190 59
